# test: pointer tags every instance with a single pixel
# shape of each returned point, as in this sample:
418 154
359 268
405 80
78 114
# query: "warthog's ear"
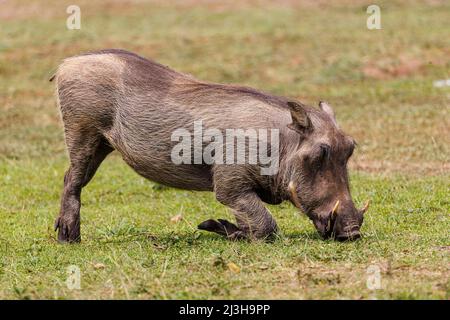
300 120
325 107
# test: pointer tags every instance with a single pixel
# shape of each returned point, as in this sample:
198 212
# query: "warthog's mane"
196 84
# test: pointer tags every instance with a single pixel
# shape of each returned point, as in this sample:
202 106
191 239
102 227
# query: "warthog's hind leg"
86 154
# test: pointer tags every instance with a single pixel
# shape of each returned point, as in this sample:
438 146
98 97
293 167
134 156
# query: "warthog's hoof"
68 232
224 228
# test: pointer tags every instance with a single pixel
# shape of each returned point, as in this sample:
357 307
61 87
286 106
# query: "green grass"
380 83
127 229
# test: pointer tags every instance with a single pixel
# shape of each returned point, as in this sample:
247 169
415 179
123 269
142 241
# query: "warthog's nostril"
351 228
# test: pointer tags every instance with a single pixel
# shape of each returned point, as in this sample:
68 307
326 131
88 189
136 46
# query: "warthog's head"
319 180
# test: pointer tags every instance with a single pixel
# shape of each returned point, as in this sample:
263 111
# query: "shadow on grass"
196 238
303 235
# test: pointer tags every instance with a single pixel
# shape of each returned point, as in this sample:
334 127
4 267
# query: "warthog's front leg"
224 228
254 221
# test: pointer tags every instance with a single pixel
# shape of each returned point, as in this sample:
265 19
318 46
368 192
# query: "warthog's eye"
319 156
325 151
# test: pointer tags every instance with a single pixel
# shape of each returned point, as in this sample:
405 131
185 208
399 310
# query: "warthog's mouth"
350 236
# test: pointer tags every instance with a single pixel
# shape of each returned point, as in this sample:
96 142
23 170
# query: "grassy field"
379 81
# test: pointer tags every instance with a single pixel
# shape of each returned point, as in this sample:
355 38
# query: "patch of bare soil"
19 10
403 65
410 168
25 9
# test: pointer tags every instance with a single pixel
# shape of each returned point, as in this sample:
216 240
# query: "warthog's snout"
346 221
342 222
349 236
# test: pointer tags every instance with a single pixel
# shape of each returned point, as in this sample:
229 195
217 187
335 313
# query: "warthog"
117 100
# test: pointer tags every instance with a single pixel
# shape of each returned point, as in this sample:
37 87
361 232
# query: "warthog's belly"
150 156
189 177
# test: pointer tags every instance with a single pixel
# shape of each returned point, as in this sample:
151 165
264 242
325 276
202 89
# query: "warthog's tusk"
366 206
336 206
333 215
293 191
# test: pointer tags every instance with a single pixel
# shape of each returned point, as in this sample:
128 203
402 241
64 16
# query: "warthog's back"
136 104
